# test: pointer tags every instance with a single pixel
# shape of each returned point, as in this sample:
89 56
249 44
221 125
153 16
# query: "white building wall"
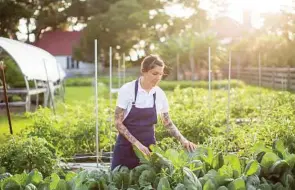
84 68
62 60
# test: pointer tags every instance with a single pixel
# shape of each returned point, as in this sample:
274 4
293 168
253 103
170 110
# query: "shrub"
73 131
19 155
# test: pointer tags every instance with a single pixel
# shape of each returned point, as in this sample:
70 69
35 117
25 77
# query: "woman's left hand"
191 147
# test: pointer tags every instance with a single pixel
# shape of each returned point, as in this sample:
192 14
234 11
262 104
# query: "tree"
42 15
38 14
192 49
125 24
274 41
10 14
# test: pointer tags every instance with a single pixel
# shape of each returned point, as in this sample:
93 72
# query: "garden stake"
209 82
111 88
228 103
259 65
48 84
96 104
2 67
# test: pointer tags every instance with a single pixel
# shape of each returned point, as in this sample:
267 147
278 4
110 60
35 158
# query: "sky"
236 8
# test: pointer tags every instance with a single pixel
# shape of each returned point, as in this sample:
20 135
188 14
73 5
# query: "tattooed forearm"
119 116
172 129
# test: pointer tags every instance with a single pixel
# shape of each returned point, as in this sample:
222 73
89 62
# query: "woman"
138 104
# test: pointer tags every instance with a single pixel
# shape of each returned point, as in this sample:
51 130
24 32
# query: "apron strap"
135 93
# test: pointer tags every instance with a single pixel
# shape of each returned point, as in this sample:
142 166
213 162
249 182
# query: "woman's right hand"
142 148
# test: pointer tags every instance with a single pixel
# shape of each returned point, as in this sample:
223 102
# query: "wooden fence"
272 77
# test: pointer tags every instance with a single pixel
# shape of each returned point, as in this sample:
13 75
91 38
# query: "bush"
255 115
222 84
19 155
165 84
73 131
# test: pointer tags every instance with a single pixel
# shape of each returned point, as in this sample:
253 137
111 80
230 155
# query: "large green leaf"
209 185
179 186
269 159
252 181
70 175
279 148
62 185
207 155
163 162
155 148
20 179
136 172
11 184
174 156
237 184
30 186
190 180
34 177
260 147
146 178
144 159
279 167
44 186
78 180
252 168
54 181
218 161
243 162
121 177
259 156
290 159
196 166
226 171
234 162
164 184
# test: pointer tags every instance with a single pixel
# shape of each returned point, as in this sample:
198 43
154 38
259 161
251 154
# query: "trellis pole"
96 103
228 102
111 91
209 79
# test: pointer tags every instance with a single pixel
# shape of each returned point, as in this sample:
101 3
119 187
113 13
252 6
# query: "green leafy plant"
19 155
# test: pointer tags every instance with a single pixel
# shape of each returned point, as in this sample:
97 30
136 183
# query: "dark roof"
59 42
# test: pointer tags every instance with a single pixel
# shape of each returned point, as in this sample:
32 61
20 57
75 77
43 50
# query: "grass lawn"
78 94
19 121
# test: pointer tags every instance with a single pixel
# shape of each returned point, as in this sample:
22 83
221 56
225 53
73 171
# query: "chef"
138 105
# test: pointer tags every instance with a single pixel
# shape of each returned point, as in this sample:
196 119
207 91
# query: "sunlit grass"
18 122
73 95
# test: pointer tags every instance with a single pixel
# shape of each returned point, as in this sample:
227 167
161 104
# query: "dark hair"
150 62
